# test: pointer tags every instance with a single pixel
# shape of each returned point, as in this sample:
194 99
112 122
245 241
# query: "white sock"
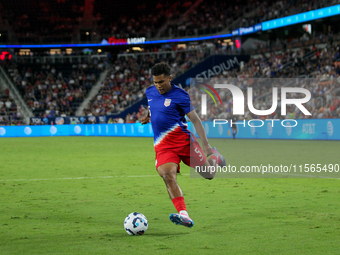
184 212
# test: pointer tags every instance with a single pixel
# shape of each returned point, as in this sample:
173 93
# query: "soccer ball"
135 224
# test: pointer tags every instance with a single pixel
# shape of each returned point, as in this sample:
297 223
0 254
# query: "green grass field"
70 195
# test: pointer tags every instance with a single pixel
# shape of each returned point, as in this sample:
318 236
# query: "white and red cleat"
221 160
182 218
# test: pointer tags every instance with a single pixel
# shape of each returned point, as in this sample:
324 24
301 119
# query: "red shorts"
192 155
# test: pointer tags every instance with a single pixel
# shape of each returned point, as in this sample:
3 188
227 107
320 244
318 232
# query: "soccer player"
168 104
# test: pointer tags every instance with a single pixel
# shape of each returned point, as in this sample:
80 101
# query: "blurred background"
89 61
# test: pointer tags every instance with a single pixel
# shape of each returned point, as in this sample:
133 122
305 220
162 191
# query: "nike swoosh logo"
149 100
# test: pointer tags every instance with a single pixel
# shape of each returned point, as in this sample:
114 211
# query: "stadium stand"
305 61
130 76
208 18
42 21
142 20
214 17
55 89
276 9
58 88
66 21
9 112
321 64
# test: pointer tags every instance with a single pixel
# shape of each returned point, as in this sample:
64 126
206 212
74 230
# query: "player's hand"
145 119
207 149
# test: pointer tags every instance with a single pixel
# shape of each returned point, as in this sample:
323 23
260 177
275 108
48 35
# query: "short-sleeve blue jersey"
167 115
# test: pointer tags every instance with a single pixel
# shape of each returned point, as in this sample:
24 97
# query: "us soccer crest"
167 102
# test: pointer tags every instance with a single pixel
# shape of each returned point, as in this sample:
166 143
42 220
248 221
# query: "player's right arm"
145 119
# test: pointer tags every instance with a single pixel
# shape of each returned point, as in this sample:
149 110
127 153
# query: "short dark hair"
160 68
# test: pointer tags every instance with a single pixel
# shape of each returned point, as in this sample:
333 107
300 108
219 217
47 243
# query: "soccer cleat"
222 162
181 219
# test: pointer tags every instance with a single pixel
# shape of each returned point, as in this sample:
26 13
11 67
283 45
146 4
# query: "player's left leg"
205 167
168 172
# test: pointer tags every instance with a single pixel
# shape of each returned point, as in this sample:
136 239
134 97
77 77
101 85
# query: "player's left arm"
200 131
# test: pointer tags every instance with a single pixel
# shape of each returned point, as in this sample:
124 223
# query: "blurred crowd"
130 117
58 89
9 111
213 17
42 21
269 10
144 21
315 69
324 103
63 21
52 90
128 78
208 18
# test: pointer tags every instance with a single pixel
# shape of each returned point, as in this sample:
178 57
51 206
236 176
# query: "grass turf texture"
232 216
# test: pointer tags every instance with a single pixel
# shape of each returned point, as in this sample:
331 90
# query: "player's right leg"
168 171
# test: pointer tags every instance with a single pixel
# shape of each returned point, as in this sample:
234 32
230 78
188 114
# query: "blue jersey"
167 114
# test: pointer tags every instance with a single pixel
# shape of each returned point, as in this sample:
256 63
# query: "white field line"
143 176
81 178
